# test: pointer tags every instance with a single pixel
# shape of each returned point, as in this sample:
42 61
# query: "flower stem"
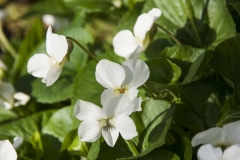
148 91
170 34
83 48
132 147
192 23
6 43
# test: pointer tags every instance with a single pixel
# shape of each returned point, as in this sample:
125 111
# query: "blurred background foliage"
94 23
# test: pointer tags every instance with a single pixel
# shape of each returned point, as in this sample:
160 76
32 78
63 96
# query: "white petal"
109 74
110 136
125 125
212 136
118 105
232 132
125 44
84 110
89 130
106 96
17 141
155 12
137 104
232 153
7 152
131 93
49 31
143 25
53 73
6 92
21 98
208 152
137 73
39 64
57 46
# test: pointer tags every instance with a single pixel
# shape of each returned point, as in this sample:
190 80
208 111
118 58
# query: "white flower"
208 152
17 141
108 121
128 45
123 79
49 68
10 98
227 136
7 152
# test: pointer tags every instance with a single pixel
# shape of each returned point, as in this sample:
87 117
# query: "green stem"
6 43
193 24
132 147
83 48
170 34
148 91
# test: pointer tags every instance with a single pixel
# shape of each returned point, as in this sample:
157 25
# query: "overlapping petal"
109 74
84 110
125 44
53 74
125 125
39 64
7 152
232 153
143 25
89 130
137 73
232 133
106 96
208 152
56 45
110 136
212 136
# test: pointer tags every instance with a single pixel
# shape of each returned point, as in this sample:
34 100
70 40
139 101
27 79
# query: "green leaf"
182 56
199 68
160 154
163 71
226 59
34 36
6 115
201 24
59 91
25 127
85 85
92 5
94 150
59 126
236 6
152 125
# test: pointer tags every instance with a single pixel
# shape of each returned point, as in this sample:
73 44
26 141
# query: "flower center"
106 125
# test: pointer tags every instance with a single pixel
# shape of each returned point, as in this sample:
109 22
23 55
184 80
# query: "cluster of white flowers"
219 143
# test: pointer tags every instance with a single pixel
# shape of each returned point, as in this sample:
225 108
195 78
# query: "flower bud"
70 49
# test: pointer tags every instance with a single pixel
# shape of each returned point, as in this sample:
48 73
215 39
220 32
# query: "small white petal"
155 12
125 125
7 152
21 98
118 105
110 136
84 110
125 44
53 73
89 130
17 141
137 104
49 31
137 73
208 152
212 136
106 96
232 153
109 74
57 46
143 25
48 19
131 93
39 65
232 132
